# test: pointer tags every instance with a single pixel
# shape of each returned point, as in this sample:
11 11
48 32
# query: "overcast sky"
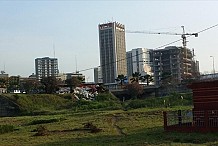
32 29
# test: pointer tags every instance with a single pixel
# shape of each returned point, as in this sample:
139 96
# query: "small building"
204 115
3 90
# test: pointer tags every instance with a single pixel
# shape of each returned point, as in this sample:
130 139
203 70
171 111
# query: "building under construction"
177 62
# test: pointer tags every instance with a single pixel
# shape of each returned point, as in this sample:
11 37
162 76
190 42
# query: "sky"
68 30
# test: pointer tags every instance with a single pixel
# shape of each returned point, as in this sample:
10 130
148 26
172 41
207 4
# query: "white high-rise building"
139 60
112 51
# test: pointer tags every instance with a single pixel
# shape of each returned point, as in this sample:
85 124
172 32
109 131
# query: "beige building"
112 51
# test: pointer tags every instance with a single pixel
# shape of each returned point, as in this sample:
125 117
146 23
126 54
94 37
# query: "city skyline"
70 29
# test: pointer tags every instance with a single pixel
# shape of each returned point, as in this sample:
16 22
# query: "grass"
62 120
138 127
6 128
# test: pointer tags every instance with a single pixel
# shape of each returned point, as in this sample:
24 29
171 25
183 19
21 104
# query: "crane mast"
184 44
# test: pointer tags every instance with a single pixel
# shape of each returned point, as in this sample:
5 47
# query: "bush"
6 128
41 131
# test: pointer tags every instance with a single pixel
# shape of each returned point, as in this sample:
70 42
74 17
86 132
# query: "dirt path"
115 119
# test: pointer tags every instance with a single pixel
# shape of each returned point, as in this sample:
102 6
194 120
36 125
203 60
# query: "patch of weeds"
41 131
91 127
6 128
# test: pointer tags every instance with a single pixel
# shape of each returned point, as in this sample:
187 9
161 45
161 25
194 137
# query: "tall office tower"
139 60
176 61
112 51
46 67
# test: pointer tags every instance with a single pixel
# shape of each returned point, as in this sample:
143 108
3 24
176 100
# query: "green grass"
138 127
134 122
6 128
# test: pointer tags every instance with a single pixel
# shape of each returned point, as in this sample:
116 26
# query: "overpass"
148 91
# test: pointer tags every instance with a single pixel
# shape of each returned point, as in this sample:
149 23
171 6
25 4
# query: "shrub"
41 131
6 128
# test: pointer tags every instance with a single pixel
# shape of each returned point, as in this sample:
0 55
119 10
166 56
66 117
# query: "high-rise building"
97 75
46 67
175 61
112 51
139 60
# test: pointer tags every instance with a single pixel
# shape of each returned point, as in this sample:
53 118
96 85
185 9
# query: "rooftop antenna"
76 64
4 66
54 49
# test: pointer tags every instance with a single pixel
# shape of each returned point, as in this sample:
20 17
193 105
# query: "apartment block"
45 67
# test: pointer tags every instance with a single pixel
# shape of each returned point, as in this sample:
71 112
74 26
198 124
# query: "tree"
31 86
81 79
14 83
3 82
134 90
50 84
120 79
148 78
135 77
73 82
168 83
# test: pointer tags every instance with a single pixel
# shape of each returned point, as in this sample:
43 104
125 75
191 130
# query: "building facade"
97 75
178 62
46 67
112 51
139 60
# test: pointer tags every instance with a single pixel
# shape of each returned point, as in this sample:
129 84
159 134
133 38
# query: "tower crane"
183 35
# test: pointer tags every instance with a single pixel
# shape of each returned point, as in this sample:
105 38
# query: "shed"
204 115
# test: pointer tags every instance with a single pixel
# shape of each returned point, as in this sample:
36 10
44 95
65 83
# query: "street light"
213 65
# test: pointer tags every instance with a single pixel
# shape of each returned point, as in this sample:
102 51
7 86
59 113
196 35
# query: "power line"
208 28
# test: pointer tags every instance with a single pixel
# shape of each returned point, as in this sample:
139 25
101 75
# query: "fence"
203 121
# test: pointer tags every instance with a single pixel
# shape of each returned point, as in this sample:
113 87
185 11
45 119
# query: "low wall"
8 107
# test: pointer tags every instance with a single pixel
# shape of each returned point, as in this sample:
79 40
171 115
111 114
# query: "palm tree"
121 78
135 77
148 78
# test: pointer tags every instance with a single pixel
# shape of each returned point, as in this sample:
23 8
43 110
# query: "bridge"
122 92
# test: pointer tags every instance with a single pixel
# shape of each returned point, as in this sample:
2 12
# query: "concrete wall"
7 107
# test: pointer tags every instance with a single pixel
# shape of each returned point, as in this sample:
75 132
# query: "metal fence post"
165 120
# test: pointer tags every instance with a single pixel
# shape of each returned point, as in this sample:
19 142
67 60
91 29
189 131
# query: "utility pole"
213 65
